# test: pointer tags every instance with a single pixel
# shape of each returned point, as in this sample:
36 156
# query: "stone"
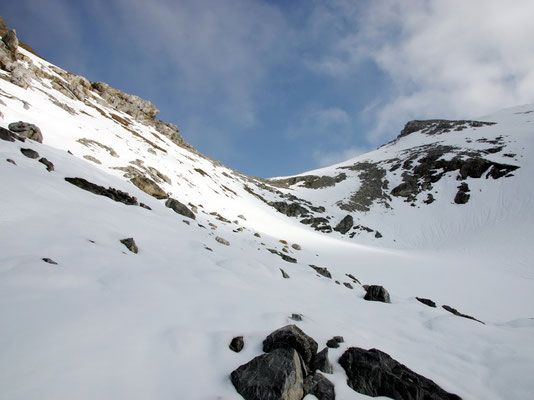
284 274
10 40
9 160
353 278
48 164
30 153
179 208
296 317
374 373
27 130
149 186
377 293
7 135
289 209
144 206
296 246
130 245
322 363
112 193
459 314
292 337
49 261
427 302
345 224
20 77
332 343
237 344
222 241
278 375
348 285
288 258
320 387
322 271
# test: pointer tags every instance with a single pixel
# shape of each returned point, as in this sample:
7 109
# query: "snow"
106 323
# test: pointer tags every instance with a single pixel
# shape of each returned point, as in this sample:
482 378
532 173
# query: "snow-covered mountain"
443 212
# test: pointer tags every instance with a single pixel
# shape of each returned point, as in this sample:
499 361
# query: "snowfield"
105 323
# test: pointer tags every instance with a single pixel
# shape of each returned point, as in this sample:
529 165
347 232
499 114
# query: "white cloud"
331 122
443 58
324 159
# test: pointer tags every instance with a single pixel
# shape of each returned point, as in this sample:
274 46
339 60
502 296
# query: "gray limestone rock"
149 186
222 241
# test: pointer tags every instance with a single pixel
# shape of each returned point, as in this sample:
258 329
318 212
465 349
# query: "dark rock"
130 245
149 186
338 339
113 194
10 40
320 387
348 285
377 293
48 164
499 170
49 261
9 160
289 209
378 235
296 246
292 337
439 126
26 130
332 343
278 375
322 271
7 135
296 317
461 196
428 302
180 208
345 224
284 274
310 181
429 199
30 153
459 314
144 206
322 363
287 258
353 278
374 373
237 344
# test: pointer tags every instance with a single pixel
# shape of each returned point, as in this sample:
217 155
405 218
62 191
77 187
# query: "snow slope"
106 323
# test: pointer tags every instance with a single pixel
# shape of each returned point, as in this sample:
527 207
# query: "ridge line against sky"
274 88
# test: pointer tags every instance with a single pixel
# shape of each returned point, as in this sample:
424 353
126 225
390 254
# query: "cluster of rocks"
289 370
454 311
439 126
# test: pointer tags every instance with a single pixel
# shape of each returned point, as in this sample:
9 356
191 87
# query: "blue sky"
275 88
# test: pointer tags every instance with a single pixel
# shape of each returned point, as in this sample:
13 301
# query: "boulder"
377 293
292 337
237 344
427 302
27 130
278 375
320 387
149 186
10 40
48 164
345 224
335 341
130 245
30 153
374 373
180 208
322 363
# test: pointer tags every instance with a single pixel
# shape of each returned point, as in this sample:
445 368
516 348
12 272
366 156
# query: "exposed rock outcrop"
112 193
149 186
10 40
459 314
320 387
374 373
427 302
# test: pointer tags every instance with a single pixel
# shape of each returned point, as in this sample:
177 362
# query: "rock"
322 363
353 278
348 285
461 196
20 77
257 235
427 302
130 245
284 274
288 258
180 208
149 186
26 130
296 317
345 224
332 343
49 261
322 271
11 41
222 241
7 135
48 164
278 375
237 344
320 387
374 373
145 206
30 153
112 193
459 314
292 337
377 293
9 160
289 209
242 217
296 246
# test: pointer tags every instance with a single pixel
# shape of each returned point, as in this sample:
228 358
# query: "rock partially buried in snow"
222 241
112 193
130 245
30 153
374 373
345 224
284 274
459 314
48 164
26 130
49 261
377 293
149 186
180 208
278 375
237 344
427 302
292 337
322 363
10 40
320 387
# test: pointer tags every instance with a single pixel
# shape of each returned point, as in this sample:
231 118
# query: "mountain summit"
133 266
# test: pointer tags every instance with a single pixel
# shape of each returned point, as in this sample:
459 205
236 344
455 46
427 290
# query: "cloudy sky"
278 87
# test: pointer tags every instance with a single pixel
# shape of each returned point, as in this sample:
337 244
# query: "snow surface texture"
107 323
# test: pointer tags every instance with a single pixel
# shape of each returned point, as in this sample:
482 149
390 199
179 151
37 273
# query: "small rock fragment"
49 261
30 153
322 271
130 245
48 164
348 285
427 302
9 160
353 279
284 274
144 206
296 317
237 344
